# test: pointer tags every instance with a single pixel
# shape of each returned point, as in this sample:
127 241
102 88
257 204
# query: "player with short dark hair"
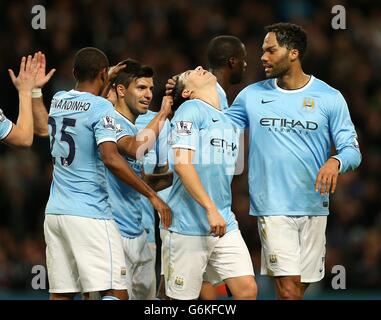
293 119
132 94
84 247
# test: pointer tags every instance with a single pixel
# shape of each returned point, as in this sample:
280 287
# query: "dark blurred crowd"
171 36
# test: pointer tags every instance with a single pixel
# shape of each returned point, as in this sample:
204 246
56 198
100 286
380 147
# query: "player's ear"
232 61
186 93
120 90
104 74
294 54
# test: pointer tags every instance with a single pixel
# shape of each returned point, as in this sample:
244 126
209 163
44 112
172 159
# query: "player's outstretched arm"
21 134
137 146
40 115
192 183
120 168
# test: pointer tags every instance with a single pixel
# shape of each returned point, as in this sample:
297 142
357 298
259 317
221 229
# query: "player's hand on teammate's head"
26 79
42 77
163 210
170 85
115 70
166 105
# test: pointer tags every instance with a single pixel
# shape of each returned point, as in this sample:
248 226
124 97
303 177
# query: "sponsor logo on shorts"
272 258
179 282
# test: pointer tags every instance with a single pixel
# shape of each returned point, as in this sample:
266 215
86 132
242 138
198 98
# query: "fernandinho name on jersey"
73 105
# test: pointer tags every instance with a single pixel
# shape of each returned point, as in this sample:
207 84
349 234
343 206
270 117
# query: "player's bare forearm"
192 183
159 182
22 133
190 179
120 168
40 117
137 146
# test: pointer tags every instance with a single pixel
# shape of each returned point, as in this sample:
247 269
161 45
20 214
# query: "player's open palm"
42 78
326 179
163 210
26 79
216 222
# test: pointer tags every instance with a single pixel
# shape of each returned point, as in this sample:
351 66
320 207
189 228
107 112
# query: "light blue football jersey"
78 123
157 155
5 126
290 139
200 127
125 201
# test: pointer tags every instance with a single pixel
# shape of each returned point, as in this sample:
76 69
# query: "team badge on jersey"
2 116
309 104
184 128
109 123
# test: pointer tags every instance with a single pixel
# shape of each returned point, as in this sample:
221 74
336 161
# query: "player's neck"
89 87
125 112
209 96
222 78
294 79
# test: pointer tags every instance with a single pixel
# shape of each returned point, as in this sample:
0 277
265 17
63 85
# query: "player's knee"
289 291
247 292
250 292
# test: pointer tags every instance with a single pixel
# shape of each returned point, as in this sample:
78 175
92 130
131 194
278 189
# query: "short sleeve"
103 122
5 126
186 125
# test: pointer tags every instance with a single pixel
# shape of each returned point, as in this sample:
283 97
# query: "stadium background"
171 36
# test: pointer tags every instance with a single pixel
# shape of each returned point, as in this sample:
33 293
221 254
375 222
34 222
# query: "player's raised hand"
326 179
170 85
42 78
115 70
26 79
166 105
163 210
216 222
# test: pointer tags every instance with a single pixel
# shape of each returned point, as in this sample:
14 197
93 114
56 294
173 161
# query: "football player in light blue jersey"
227 61
132 94
293 118
204 233
21 133
84 247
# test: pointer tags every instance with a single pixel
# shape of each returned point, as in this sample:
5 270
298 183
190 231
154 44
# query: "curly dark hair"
290 35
